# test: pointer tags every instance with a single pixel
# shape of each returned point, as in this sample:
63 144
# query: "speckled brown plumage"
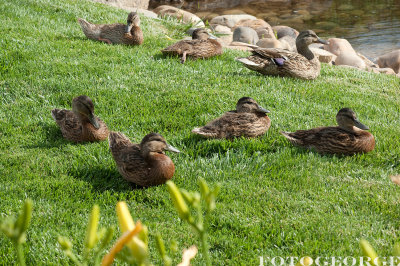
279 62
144 164
129 34
80 124
346 139
248 120
199 47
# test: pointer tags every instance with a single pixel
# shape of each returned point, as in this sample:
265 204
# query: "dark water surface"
372 27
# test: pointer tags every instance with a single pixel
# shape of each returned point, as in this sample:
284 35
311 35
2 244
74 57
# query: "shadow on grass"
52 137
103 179
207 148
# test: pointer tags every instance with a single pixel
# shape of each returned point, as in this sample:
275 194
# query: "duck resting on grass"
201 46
248 120
80 124
129 34
279 62
144 164
348 138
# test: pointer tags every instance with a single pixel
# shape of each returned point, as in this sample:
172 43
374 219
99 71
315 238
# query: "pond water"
371 26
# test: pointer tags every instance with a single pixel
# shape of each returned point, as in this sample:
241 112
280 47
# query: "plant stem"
20 254
204 247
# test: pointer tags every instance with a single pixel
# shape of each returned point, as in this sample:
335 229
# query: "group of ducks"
146 164
267 61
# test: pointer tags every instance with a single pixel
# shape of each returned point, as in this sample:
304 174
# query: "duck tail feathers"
117 140
246 61
205 133
90 30
292 139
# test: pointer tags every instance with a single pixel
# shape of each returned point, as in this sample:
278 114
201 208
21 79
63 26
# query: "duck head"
249 105
308 37
200 34
132 20
153 144
346 118
83 107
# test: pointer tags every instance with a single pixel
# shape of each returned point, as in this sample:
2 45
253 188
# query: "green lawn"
276 200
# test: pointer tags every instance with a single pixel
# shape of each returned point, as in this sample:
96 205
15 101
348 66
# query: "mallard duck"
348 138
144 164
248 120
80 124
201 46
129 34
279 62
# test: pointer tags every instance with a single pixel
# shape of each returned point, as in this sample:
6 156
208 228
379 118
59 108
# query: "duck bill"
322 41
93 121
263 110
360 125
173 149
128 27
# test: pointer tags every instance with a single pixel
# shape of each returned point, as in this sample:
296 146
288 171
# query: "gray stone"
230 20
246 35
391 60
180 14
282 31
323 55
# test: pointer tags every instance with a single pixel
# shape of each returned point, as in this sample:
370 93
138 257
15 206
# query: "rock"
368 62
261 27
350 59
221 29
323 55
282 31
245 34
186 16
144 12
264 33
270 43
386 70
253 23
289 42
337 46
230 20
391 60
225 39
124 4
233 12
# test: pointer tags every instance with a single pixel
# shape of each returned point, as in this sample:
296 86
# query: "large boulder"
230 20
261 26
272 43
391 60
282 31
323 55
185 16
345 53
350 59
338 46
245 35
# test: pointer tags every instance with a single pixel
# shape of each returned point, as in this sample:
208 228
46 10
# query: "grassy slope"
276 200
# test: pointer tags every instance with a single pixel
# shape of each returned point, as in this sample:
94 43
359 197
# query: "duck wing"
70 126
130 163
233 124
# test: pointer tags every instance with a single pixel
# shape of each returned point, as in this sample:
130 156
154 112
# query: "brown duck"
279 62
144 164
348 138
80 124
129 34
201 46
248 120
